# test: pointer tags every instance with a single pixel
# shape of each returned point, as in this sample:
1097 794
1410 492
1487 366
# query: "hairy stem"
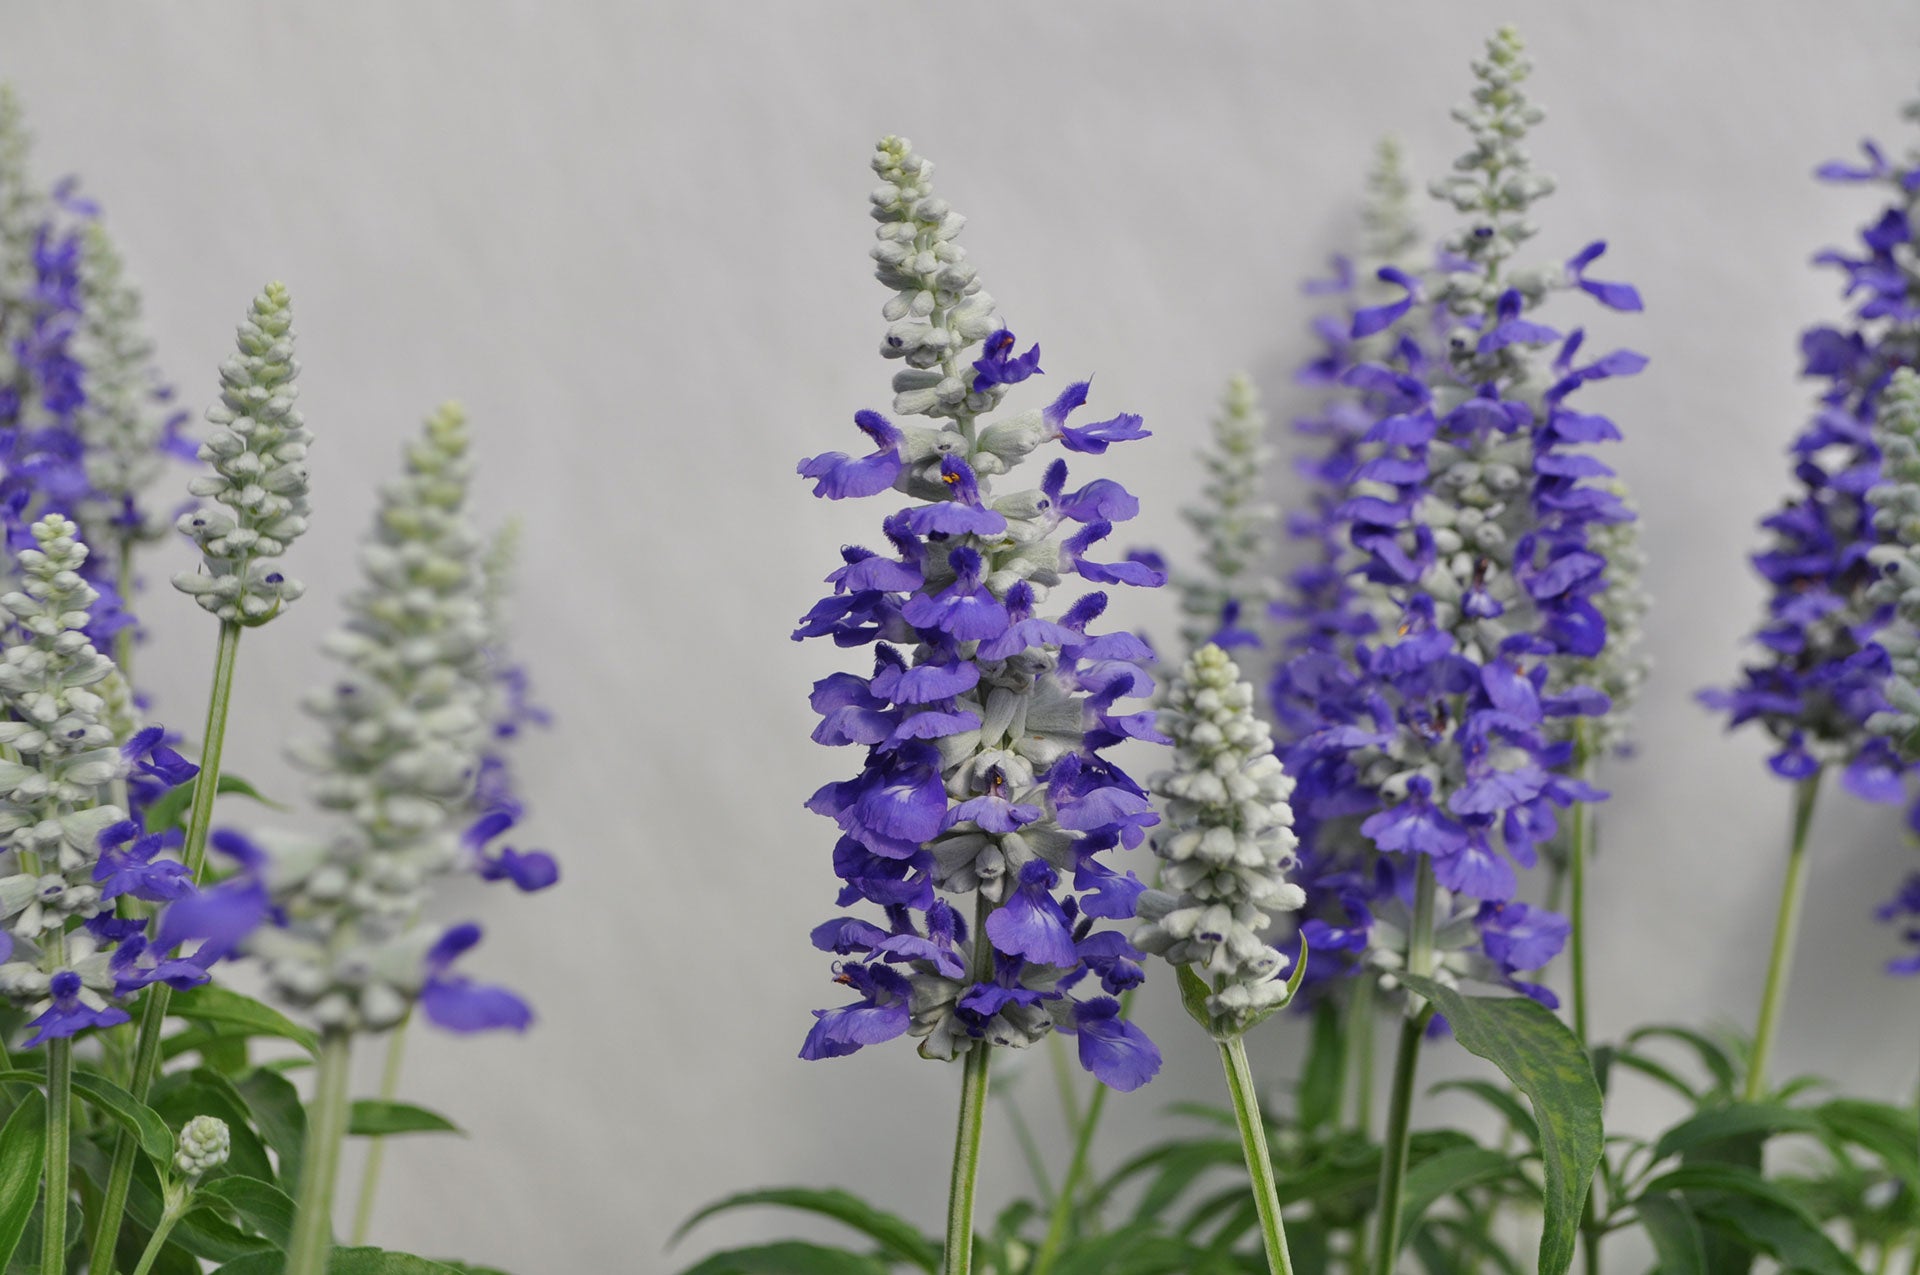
973 1110
1780 964
326 1130
53 1218
1253 1141
376 1147
1399 1133
1063 1203
153 1014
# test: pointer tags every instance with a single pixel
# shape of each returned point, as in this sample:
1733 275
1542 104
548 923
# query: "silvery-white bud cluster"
938 308
405 719
1392 233
123 418
1494 182
1227 842
60 753
1620 670
1233 520
258 452
203 1146
22 208
1896 520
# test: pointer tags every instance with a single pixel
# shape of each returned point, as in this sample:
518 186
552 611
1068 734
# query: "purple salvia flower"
1445 638
1819 676
984 714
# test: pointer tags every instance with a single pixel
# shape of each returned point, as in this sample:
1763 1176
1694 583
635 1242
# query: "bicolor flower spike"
1226 843
64 955
127 423
405 722
1820 676
984 715
1896 559
1235 523
1461 617
258 451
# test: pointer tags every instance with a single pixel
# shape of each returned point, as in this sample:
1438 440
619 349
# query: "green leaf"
261 1205
789 1257
1675 1235
220 1007
1739 1203
345 1261
280 1118
1544 1060
113 1101
1733 1121
1317 1103
1656 1071
1783 1234
896 1235
1132 1250
378 1261
1446 1173
171 810
1888 1132
1194 994
23 1150
373 1118
1713 1056
1500 1100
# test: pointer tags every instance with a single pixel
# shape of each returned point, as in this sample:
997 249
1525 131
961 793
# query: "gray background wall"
631 237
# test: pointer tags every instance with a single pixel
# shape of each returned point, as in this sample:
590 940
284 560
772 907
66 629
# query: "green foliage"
23 1148
375 1119
170 811
1545 1061
895 1236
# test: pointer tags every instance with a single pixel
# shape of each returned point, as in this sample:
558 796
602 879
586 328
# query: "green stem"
1063 1080
966 1161
1360 1016
973 1112
153 1014
1029 1150
370 1174
1792 893
123 640
53 1217
1253 1141
326 1130
1577 847
1394 1151
207 785
172 1214
1070 1188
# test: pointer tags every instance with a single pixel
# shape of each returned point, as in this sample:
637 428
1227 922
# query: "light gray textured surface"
631 238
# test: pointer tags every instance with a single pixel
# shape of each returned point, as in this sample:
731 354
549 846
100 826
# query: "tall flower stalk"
257 452
1822 677
1438 709
984 717
1225 845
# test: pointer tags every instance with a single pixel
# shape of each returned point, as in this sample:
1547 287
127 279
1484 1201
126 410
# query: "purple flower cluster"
984 716
1443 636
1820 676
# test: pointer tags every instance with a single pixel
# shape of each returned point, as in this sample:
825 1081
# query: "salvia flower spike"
985 714
257 451
1235 524
52 806
404 721
1226 843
